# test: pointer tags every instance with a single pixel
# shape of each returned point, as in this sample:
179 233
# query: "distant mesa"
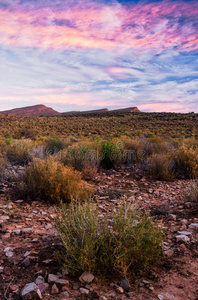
35 110
95 111
128 109
42 110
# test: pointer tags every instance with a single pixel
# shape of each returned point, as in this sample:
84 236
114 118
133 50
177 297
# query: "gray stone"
165 296
64 295
130 294
26 230
25 262
39 280
9 254
193 225
111 294
184 232
43 287
31 292
172 217
4 218
120 290
17 231
62 282
64 272
182 238
169 252
86 277
125 284
52 278
54 289
84 291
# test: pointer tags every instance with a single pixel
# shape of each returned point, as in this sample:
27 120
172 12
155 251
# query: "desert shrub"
154 145
160 166
185 162
82 158
137 239
53 146
3 164
19 151
192 194
50 180
78 228
110 155
133 242
132 150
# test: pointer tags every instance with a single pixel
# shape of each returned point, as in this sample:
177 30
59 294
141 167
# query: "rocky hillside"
35 110
42 110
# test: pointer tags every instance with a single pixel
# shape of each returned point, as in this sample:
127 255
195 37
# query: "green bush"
133 242
50 180
110 155
81 158
53 146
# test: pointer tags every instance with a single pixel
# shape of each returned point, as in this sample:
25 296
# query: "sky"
86 54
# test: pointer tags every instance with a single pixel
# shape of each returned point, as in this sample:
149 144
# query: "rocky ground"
29 241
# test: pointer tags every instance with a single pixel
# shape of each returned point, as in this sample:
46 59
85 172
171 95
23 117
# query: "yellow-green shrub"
134 242
50 180
82 158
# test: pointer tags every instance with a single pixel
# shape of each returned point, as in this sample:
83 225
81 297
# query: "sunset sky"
85 54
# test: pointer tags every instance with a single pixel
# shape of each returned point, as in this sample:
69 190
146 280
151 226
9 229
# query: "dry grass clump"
133 242
50 180
185 162
155 145
160 166
192 194
20 151
131 149
3 164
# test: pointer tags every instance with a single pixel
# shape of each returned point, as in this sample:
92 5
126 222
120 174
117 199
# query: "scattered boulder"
52 278
193 226
31 292
125 284
182 238
86 277
54 289
84 291
165 296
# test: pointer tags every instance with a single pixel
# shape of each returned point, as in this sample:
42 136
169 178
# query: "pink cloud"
165 107
141 27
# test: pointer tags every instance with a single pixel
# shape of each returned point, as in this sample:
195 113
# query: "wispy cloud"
99 53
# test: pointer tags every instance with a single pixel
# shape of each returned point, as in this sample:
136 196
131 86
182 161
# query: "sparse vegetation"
106 125
133 242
